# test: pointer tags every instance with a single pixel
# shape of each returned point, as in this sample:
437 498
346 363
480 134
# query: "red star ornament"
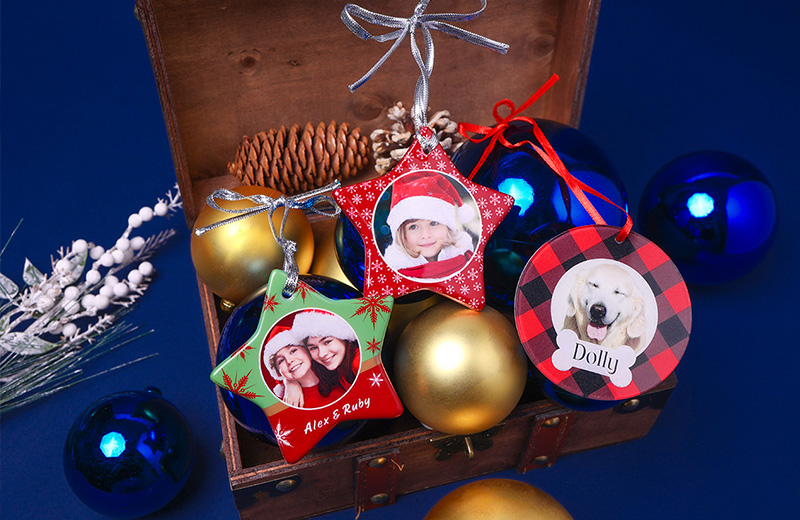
312 363
425 227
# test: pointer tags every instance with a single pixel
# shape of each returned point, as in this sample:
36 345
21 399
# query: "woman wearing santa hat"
426 219
331 341
303 382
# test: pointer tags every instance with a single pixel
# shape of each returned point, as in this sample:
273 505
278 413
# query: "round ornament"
236 259
239 327
601 320
458 370
498 499
128 454
713 212
543 205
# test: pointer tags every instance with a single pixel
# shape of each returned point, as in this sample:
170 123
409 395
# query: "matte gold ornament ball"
459 371
498 499
236 259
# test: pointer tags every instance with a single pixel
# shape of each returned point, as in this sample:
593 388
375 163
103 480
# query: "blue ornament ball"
349 248
240 326
128 454
712 212
543 204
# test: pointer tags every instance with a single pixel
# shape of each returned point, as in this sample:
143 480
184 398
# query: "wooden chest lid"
226 69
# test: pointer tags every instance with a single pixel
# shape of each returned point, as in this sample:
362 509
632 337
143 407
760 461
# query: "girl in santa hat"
331 341
303 382
426 218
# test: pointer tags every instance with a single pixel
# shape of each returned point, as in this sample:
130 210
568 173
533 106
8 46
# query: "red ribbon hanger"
546 152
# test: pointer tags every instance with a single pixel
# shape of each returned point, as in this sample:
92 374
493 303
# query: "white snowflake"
382 279
489 230
472 274
370 196
366 215
464 288
376 380
281 435
482 203
442 165
474 303
396 278
495 198
356 198
476 286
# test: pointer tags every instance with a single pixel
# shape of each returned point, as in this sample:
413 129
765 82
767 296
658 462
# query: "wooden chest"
226 69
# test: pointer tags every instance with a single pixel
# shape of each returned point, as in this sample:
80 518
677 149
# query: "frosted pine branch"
60 321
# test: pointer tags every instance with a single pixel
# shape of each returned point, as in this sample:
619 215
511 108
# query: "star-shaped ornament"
312 363
425 227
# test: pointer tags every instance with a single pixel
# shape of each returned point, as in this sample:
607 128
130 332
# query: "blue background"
84 144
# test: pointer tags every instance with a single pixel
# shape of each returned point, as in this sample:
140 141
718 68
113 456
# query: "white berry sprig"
56 324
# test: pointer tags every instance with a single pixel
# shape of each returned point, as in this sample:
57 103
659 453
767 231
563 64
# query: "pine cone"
292 161
389 146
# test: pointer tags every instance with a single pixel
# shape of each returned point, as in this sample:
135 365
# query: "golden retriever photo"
605 306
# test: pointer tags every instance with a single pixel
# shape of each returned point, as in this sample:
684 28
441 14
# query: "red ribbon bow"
546 152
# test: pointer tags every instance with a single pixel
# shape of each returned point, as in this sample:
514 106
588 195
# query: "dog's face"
606 303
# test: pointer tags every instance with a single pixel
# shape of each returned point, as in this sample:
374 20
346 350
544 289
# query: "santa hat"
279 337
322 323
427 195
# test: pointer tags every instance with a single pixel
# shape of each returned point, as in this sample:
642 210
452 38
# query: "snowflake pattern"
375 379
372 306
270 303
356 198
241 351
303 288
240 387
282 435
374 345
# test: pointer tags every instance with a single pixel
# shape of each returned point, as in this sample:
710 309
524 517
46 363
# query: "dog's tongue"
596 332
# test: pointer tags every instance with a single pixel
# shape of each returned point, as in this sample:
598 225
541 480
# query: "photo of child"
432 226
302 380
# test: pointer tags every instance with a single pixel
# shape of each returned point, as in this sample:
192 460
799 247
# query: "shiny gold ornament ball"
459 371
326 262
236 259
403 313
498 499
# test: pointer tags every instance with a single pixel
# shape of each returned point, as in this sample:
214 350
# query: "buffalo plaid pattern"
556 257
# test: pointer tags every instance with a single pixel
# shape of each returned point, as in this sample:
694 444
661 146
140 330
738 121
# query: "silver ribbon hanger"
309 200
405 26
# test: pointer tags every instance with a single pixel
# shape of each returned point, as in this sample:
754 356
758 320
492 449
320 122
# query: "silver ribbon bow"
262 203
424 23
